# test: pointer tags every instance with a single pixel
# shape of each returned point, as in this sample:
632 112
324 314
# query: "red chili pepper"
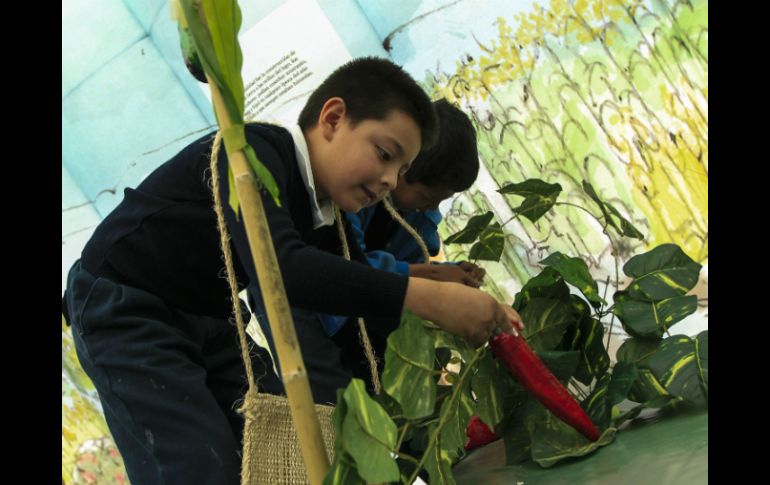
478 434
536 378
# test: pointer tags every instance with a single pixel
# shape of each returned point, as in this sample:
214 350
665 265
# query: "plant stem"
403 434
443 419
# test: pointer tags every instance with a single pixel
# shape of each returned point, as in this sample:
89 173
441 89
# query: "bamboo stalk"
293 370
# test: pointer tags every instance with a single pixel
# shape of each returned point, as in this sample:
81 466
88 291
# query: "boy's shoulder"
274 134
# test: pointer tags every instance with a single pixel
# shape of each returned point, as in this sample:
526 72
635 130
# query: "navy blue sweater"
163 238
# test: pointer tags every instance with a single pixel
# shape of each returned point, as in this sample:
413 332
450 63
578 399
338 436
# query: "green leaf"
652 319
409 360
218 48
622 226
702 355
619 417
445 340
575 272
610 390
626 228
485 384
636 350
661 273
391 407
596 405
539 197
548 284
489 247
219 53
439 463
223 18
623 377
457 413
680 365
202 43
189 54
546 321
338 418
571 340
343 472
561 363
594 359
263 175
472 230
553 440
515 435
646 387
369 435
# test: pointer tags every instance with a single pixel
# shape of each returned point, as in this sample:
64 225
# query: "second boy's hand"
451 273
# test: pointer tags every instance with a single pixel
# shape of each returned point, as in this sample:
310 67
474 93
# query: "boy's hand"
460 310
451 273
475 272
470 313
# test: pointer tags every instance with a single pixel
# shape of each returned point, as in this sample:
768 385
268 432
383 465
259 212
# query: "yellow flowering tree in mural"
611 92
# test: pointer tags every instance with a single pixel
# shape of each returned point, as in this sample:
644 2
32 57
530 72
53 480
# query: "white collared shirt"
323 211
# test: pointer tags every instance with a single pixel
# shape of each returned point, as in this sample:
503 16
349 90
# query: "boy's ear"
332 114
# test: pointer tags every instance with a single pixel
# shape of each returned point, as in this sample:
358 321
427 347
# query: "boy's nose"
390 179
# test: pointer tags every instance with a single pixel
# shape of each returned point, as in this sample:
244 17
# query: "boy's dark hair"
372 87
453 162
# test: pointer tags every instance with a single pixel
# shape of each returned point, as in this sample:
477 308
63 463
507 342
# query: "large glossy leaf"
343 472
445 340
681 366
642 318
547 284
594 359
439 463
516 436
369 435
562 363
661 273
490 245
610 390
486 387
546 321
408 375
553 440
702 356
611 215
472 230
575 272
647 387
456 413
636 350
539 197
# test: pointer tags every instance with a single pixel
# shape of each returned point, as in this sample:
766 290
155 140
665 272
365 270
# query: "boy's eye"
383 154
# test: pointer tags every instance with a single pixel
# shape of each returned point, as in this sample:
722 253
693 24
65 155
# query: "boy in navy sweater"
149 307
448 167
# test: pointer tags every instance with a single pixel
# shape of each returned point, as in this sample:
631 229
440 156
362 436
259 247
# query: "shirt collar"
323 212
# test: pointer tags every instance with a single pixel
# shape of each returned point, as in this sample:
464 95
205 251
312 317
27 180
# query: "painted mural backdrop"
611 92
614 93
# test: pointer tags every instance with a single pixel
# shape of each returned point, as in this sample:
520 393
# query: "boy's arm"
323 282
460 310
445 272
314 279
377 259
